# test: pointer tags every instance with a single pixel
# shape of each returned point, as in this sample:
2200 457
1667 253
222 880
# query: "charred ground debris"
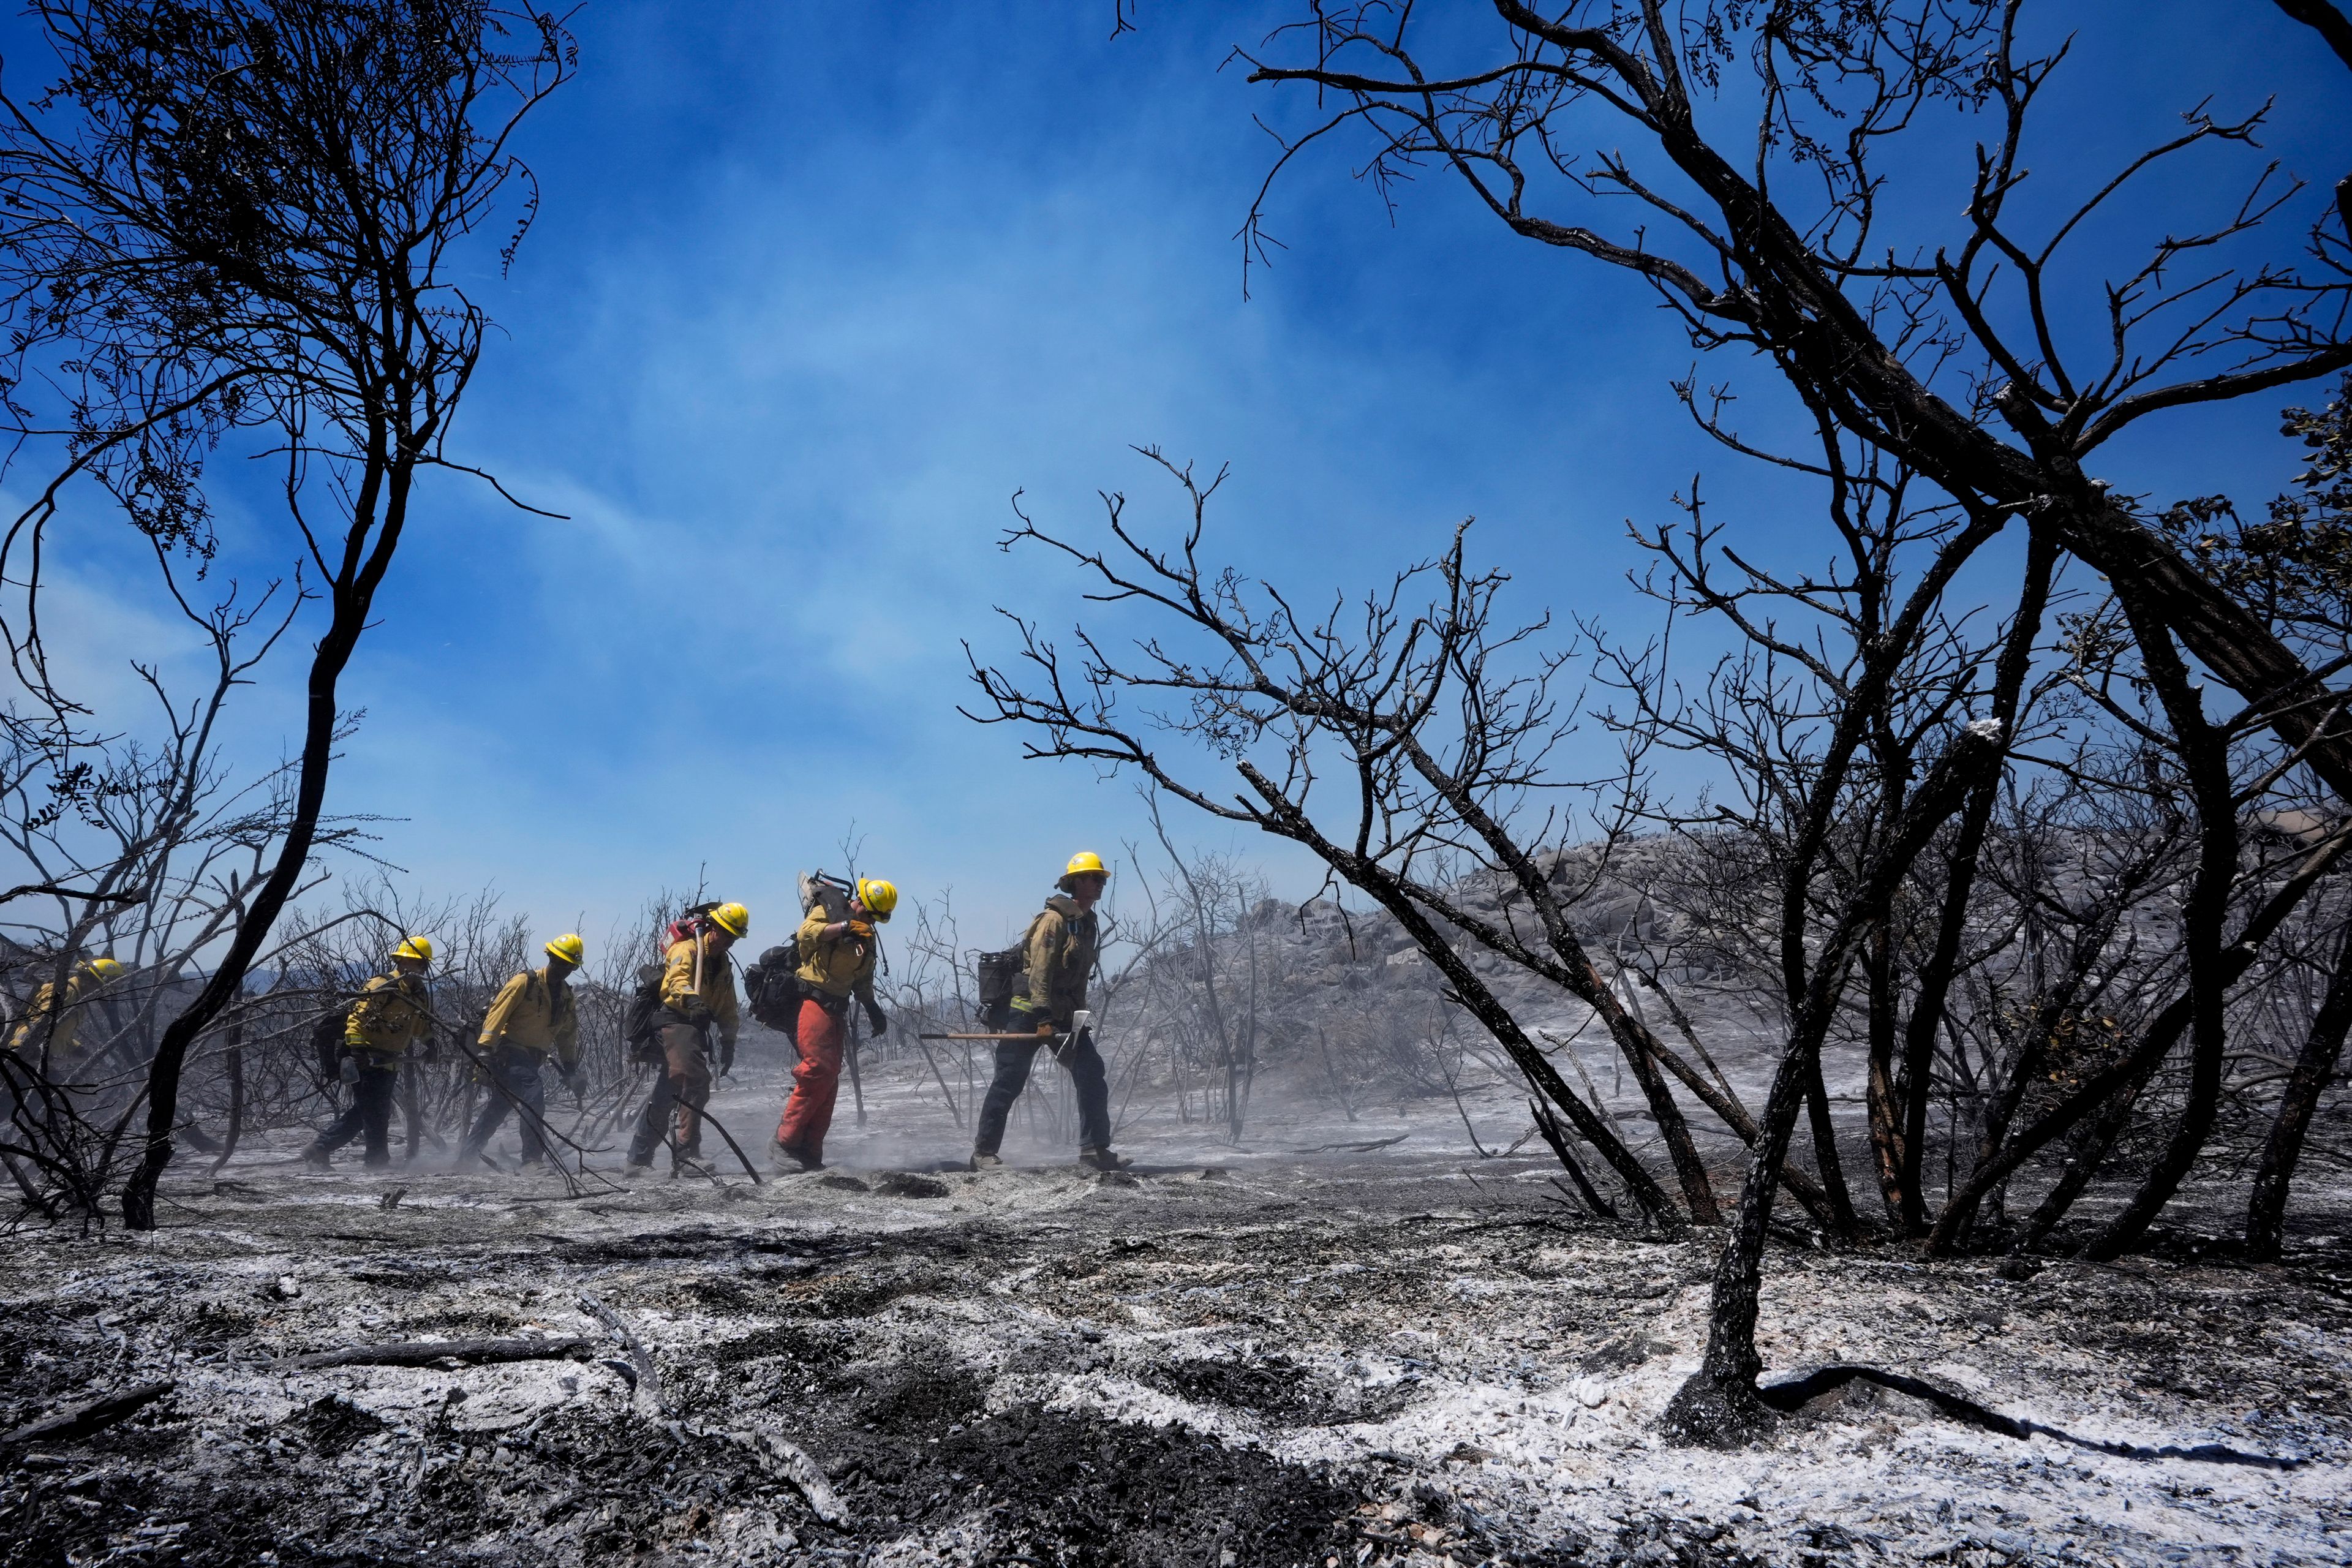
1286 1360
1241 1348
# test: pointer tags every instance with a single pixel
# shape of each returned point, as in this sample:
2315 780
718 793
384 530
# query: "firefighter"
1059 951
62 1019
697 996
531 1017
393 1011
837 962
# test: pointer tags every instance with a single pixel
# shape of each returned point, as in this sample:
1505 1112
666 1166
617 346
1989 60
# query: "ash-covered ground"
1228 1356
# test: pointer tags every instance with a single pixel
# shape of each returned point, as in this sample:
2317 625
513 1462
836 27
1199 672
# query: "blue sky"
816 288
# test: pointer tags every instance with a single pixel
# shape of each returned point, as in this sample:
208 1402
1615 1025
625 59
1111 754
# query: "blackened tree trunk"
233 1063
2089 1151
1884 1105
319 728
2205 758
1718 1405
231 214
1937 976
1825 1150
2315 1065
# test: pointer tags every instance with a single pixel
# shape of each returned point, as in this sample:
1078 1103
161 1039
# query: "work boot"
1103 1160
318 1156
785 1157
981 1161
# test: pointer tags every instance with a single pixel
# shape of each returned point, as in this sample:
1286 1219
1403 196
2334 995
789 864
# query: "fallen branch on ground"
1794 1392
90 1415
647 1393
426 1353
1353 1148
789 1462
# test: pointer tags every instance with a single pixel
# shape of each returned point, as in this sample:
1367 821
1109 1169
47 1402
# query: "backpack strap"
1021 959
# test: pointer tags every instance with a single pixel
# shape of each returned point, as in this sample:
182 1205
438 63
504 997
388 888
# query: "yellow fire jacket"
696 985
1061 958
838 966
391 1011
530 1015
63 1019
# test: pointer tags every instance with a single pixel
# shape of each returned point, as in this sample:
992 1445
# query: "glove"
879 1019
351 1071
1046 1026
862 929
576 1082
726 1058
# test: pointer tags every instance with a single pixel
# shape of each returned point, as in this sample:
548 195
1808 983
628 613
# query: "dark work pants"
371 1112
1013 1060
516 1072
683 1087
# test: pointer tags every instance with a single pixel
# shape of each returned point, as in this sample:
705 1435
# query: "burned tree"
1206 1010
229 219
144 847
1448 738
2258 858
1939 826
1445 718
1949 355
1914 348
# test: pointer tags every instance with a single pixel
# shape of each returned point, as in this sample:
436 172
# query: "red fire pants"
808 1114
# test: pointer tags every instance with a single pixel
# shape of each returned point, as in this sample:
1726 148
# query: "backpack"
824 888
772 988
640 1024
688 925
327 1044
1002 976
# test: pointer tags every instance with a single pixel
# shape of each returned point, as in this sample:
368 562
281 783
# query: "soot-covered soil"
1282 1361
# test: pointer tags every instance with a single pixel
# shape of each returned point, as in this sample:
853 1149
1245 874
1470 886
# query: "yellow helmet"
416 947
569 948
104 968
878 897
733 918
1085 862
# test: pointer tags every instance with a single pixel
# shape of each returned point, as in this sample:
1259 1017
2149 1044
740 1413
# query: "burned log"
90 1416
430 1352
